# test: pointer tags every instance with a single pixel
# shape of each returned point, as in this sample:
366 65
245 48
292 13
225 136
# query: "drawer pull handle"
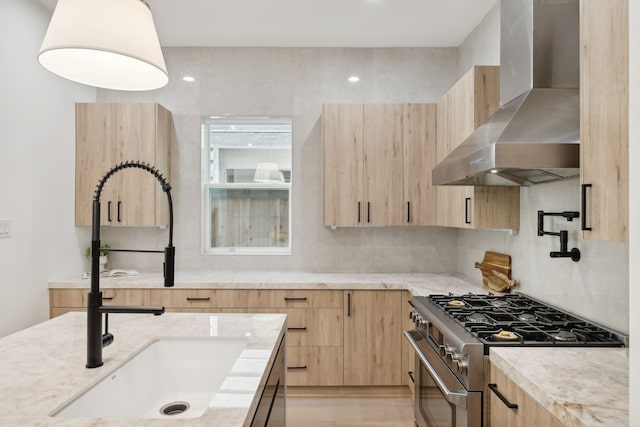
295 298
304 328
296 367
198 298
107 298
494 388
413 380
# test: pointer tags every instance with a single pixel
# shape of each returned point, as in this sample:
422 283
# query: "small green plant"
102 253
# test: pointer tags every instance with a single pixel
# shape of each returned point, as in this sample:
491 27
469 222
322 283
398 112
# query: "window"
246 174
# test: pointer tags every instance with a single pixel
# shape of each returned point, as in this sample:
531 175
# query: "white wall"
291 82
634 207
597 287
482 45
37 152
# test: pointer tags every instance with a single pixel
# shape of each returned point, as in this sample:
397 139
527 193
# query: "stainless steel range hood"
535 136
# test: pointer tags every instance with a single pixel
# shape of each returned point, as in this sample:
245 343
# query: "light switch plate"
5 228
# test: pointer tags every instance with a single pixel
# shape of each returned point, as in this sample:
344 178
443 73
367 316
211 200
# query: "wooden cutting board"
494 261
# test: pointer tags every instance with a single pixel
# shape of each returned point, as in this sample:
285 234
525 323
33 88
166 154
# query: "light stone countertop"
418 284
582 387
43 366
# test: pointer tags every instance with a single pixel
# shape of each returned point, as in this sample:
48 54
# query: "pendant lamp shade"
109 44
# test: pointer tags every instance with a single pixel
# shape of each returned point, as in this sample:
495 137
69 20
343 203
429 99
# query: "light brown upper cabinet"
419 158
604 119
107 134
362 164
377 163
468 104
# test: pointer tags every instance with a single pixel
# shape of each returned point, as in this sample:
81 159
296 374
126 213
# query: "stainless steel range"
452 337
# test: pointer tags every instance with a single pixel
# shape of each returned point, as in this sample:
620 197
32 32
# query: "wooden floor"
349 412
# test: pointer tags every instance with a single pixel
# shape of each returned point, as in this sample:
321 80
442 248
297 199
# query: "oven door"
440 400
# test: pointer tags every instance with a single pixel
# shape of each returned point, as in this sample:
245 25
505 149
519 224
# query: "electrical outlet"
5 228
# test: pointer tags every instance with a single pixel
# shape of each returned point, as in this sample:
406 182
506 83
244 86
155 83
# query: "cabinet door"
310 327
314 366
64 300
372 334
466 106
604 115
343 164
137 190
452 202
383 192
210 299
529 411
419 158
94 156
107 134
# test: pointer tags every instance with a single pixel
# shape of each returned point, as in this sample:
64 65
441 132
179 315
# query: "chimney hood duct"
535 136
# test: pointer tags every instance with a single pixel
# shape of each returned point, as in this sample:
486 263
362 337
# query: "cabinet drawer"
198 298
294 298
307 327
205 310
314 366
77 298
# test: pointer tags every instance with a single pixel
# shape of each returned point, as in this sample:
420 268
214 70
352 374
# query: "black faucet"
96 340
564 252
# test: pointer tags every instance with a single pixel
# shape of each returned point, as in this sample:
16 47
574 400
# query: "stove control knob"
416 319
444 349
456 355
422 323
447 350
462 365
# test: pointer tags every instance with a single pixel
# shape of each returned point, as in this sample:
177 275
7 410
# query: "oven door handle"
458 399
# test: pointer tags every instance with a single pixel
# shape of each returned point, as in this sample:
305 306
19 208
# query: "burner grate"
491 318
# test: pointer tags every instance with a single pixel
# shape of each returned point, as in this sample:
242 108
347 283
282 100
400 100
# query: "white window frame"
206 186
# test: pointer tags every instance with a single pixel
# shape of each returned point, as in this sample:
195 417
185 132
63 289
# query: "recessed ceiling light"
189 79
354 79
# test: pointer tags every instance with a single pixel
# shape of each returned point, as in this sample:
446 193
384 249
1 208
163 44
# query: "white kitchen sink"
168 378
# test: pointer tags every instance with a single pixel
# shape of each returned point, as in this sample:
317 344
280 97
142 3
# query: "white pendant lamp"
109 44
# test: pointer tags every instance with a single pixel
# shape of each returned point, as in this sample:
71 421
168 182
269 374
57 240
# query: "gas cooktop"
519 320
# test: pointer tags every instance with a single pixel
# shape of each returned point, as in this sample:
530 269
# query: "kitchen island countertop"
582 387
43 366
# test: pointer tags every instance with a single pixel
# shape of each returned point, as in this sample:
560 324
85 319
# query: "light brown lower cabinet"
528 412
62 301
334 337
314 332
314 366
372 338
